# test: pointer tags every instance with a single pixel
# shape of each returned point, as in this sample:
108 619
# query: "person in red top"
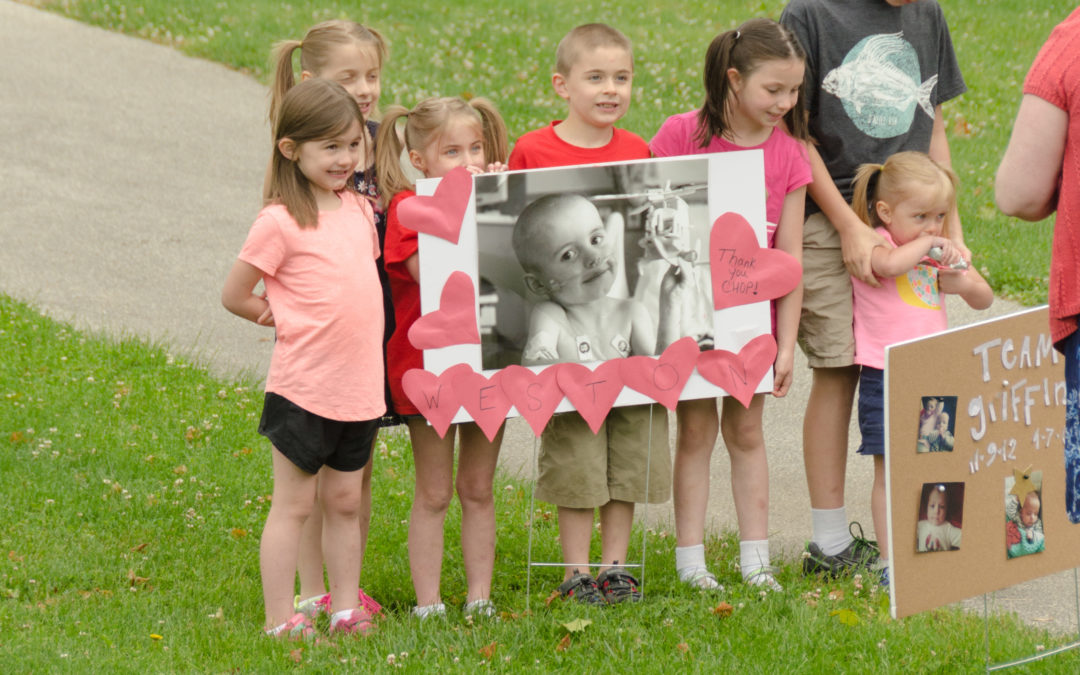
593 74
1040 174
440 134
594 71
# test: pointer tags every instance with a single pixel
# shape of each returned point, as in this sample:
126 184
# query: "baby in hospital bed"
569 259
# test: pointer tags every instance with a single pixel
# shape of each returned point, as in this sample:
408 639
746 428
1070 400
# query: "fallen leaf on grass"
180 470
16 437
577 625
683 647
564 643
135 579
140 546
551 598
845 616
14 557
489 651
238 533
961 127
297 655
836 595
723 610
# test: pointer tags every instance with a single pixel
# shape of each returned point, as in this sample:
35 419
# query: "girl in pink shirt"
909 200
314 247
753 88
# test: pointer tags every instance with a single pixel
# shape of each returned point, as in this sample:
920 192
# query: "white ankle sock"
689 560
830 530
753 555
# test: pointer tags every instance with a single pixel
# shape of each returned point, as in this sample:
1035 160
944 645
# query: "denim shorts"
872 411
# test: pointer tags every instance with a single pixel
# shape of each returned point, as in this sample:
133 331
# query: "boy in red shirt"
594 74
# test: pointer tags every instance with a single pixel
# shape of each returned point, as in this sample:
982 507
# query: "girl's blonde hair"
744 49
423 124
315 49
901 176
311 111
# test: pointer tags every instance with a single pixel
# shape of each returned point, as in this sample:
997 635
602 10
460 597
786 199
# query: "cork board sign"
975 469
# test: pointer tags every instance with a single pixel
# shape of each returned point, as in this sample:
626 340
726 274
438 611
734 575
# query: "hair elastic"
737 34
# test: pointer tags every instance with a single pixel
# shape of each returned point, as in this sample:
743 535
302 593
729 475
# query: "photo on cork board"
1024 534
937 424
941 517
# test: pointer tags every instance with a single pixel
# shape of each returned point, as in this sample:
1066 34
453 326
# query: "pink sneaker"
296 628
352 621
320 604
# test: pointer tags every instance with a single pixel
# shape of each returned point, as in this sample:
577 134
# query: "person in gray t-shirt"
877 72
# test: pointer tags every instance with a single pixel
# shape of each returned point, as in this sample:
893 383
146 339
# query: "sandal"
583 588
618 585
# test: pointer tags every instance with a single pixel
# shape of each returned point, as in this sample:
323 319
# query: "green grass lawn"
505 51
135 487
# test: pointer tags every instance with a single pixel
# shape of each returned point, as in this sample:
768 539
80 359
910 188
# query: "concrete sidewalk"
129 175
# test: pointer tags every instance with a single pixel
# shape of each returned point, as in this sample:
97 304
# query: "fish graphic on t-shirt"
879 85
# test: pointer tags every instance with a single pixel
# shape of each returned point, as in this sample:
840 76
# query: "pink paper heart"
535 395
592 392
440 214
434 395
742 271
739 375
662 379
484 400
454 322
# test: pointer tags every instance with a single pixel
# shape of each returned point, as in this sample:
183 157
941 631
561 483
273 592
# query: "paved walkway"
129 175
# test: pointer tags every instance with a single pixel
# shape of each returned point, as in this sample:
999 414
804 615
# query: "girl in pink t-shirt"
314 247
908 200
753 87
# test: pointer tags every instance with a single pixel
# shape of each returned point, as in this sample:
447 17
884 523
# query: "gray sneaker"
860 554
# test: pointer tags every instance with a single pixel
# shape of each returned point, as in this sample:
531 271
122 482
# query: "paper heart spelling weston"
743 272
442 213
739 374
454 323
483 399
534 395
434 395
662 379
592 392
